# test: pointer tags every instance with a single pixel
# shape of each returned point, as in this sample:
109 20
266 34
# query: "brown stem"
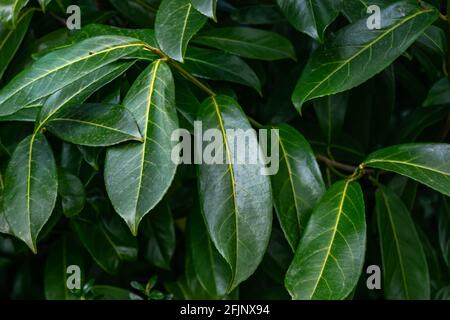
341 166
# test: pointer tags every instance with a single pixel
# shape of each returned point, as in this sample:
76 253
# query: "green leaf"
311 17
44 4
10 11
72 193
77 92
248 43
206 7
63 67
64 253
107 240
258 14
150 169
434 39
90 156
298 185
27 114
176 23
405 267
27 204
355 10
95 125
425 163
142 13
4 226
10 40
439 94
236 199
330 112
330 256
444 230
159 232
102 292
216 65
347 61
443 294
209 268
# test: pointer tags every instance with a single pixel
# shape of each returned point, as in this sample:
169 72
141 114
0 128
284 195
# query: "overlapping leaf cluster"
86 170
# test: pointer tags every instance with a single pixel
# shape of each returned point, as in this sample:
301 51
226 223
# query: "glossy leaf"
61 68
72 193
177 21
235 198
347 61
405 268
95 125
321 268
10 39
216 65
206 7
27 204
136 191
65 253
426 163
10 11
330 112
311 17
434 39
298 185
248 43
439 94
159 230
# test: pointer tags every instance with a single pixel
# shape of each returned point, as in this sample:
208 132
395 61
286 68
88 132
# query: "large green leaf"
248 43
355 10
235 198
216 65
150 169
347 61
209 268
66 252
298 185
206 7
176 23
427 163
10 40
330 256
63 67
10 11
159 232
95 125
309 16
405 268
79 91
27 204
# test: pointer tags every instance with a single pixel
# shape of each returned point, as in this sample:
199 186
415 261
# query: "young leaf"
311 17
159 232
95 125
209 268
347 61
248 43
216 65
298 185
404 265
66 252
27 204
330 256
63 67
10 39
236 199
10 11
426 163
176 23
206 7
72 193
149 167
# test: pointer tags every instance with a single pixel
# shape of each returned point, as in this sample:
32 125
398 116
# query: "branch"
342 166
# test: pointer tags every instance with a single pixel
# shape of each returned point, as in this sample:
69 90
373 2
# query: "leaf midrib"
407 164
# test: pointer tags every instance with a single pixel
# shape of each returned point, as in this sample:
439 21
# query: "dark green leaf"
330 256
72 193
347 61
258 14
141 12
444 230
434 39
330 111
439 94
405 268
44 3
95 125
102 292
27 114
176 23
27 204
235 198
135 191
426 163
298 185
248 43
10 11
206 7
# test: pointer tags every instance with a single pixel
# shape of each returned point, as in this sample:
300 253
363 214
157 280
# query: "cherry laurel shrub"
105 108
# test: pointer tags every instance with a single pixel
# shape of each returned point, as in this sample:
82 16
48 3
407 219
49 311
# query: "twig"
336 164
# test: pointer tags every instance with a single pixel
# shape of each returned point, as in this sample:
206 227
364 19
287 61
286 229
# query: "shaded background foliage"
402 100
